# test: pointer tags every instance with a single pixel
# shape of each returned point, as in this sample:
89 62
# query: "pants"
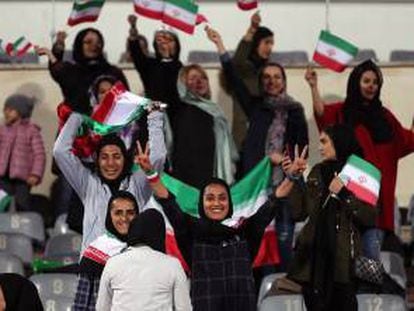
285 228
371 243
20 190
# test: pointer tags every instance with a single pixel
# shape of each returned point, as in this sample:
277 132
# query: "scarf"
225 149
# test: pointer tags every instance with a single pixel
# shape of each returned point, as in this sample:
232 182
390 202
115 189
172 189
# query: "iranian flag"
6 47
180 14
246 5
85 11
150 8
333 52
20 47
5 200
118 109
361 178
247 196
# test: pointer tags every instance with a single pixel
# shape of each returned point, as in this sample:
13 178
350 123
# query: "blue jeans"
372 242
285 228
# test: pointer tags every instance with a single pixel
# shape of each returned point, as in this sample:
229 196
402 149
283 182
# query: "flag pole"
327 14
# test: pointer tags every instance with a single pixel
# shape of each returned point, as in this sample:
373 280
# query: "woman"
383 140
202 146
276 122
113 171
220 255
329 242
18 294
89 62
122 209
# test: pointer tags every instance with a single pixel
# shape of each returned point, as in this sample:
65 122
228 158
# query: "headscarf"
214 181
19 293
113 139
226 154
260 34
371 115
176 56
94 88
78 56
148 229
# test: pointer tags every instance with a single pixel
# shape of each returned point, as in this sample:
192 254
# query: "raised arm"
70 165
312 78
243 49
139 58
58 48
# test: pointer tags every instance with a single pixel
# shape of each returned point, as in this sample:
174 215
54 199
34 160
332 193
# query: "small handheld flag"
85 11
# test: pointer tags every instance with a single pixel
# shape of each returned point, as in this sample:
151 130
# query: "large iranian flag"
85 11
118 109
361 178
334 52
180 14
150 8
246 5
247 196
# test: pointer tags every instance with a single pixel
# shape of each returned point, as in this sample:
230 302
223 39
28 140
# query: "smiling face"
197 83
216 202
122 213
273 81
326 147
91 45
111 162
103 88
369 85
264 49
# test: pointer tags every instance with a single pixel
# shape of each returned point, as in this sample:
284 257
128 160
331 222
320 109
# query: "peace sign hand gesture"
142 158
299 164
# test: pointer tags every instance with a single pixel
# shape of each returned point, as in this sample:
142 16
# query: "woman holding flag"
329 242
220 249
383 139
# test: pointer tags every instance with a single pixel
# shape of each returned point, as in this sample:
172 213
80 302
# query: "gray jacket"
91 190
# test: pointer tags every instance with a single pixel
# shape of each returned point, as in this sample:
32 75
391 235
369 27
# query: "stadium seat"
57 303
29 58
203 57
27 223
290 57
369 302
10 264
267 284
64 247
18 245
402 56
365 54
56 285
60 226
284 303
394 265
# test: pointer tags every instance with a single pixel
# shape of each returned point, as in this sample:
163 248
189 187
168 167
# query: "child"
22 153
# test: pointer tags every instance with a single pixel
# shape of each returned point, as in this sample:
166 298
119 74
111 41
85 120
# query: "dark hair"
267 65
176 56
260 34
344 141
372 116
78 55
214 181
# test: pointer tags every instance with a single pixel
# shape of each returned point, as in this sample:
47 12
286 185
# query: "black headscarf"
148 229
20 293
176 56
214 181
260 34
78 55
108 220
370 114
113 139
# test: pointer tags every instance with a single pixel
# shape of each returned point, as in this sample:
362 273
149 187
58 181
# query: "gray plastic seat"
394 266
365 54
18 245
10 264
56 285
203 57
283 303
27 223
60 226
267 284
55 303
63 245
290 57
369 302
402 56
29 58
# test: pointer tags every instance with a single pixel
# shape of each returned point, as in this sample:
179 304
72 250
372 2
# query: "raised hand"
255 20
42 51
299 164
132 20
215 37
61 37
142 158
277 158
311 76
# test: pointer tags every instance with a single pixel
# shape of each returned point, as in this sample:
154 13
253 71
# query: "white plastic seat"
267 284
18 245
64 245
10 264
370 302
55 303
283 303
56 285
27 223
394 266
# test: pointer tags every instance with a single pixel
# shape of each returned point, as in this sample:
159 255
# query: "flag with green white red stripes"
85 11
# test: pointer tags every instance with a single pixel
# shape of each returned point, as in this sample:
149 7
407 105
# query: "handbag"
367 269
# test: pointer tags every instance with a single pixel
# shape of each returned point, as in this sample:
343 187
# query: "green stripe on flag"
17 42
86 5
340 43
365 167
5 202
185 5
